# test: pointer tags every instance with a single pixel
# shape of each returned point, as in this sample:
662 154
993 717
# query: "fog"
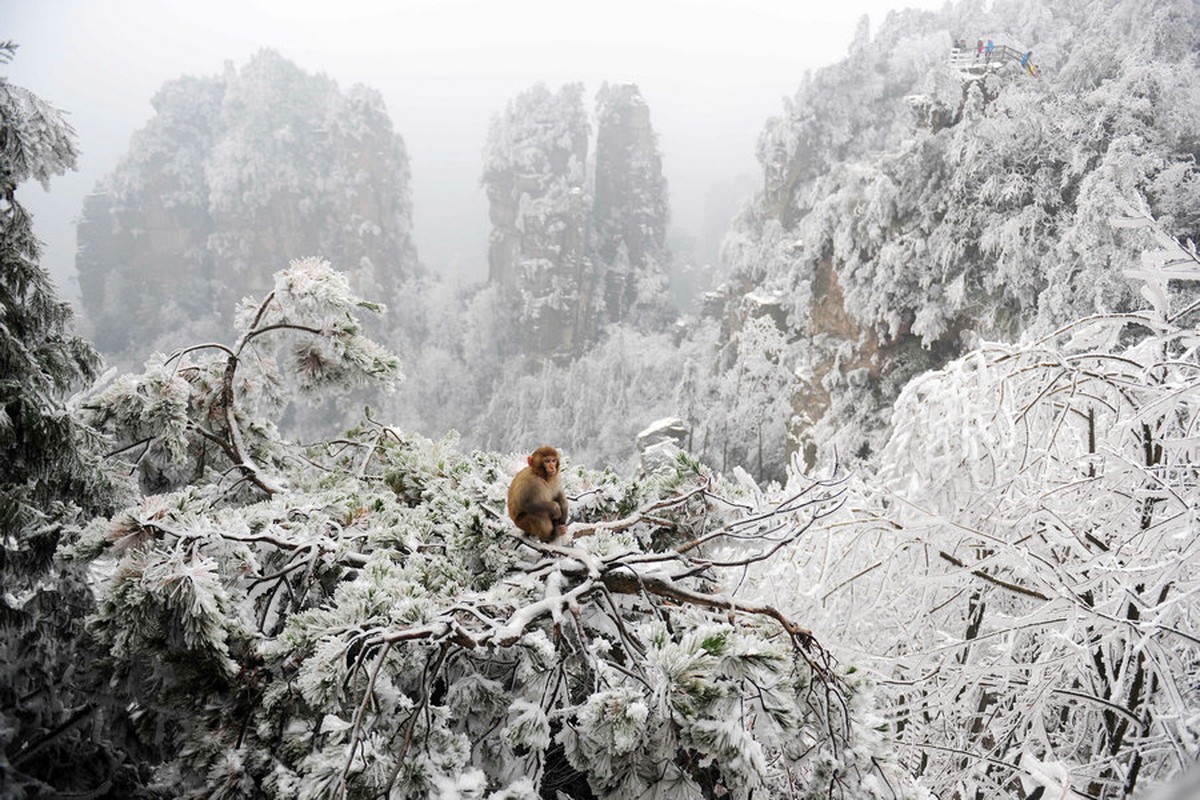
711 71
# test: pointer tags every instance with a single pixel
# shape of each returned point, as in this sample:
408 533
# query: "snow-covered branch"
217 395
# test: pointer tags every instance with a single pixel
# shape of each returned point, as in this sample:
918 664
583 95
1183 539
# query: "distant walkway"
975 62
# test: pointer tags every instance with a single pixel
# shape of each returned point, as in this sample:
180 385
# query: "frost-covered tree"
754 396
215 406
53 734
630 379
1021 578
457 347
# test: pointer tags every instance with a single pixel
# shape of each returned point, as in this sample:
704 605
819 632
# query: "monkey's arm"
562 507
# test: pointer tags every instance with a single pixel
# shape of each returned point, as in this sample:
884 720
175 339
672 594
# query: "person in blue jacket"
988 51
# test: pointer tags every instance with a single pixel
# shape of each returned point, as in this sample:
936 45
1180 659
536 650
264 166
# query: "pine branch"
59 730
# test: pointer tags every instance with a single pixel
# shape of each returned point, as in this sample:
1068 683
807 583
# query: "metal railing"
973 60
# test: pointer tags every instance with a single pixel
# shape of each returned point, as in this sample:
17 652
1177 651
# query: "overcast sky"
712 72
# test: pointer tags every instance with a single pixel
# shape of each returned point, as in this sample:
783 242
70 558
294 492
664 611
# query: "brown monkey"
536 502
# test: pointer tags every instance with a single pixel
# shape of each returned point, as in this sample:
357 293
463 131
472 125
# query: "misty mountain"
578 238
914 201
234 176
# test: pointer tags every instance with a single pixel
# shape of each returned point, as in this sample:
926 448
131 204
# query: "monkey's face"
544 461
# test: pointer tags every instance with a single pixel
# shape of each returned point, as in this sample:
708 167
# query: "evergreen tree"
50 477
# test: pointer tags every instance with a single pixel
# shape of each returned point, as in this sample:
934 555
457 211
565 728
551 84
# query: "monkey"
536 502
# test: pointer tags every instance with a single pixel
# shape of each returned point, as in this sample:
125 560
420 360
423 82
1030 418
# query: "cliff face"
231 179
573 251
534 174
629 211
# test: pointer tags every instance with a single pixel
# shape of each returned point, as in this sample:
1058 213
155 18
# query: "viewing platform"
975 62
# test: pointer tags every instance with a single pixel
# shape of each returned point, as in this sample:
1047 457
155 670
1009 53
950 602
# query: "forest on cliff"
903 505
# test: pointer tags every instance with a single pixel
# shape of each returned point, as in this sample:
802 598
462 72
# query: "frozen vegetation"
914 516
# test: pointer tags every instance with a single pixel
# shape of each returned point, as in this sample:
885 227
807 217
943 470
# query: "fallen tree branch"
628 581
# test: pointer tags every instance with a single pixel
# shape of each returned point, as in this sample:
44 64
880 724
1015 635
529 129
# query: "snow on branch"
380 628
1020 573
226 397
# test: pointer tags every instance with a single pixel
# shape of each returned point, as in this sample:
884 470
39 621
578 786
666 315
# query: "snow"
945 412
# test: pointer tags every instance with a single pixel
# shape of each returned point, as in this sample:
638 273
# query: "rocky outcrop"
534 174
660 444
849 363
232 178
570 251
629 211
